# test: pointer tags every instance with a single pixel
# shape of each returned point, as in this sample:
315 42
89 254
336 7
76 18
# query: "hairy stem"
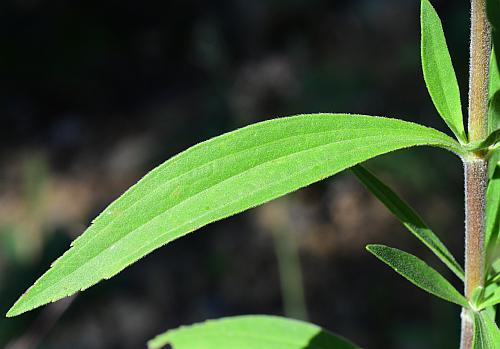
480 51
476 168
476 174
467 338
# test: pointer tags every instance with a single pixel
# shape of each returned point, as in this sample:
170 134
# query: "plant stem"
480 52
476 167
476 174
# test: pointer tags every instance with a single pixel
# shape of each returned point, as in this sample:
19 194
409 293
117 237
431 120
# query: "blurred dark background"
93 94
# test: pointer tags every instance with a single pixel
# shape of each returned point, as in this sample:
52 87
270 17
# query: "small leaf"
489 292
494 81
216 179
494 112
494 272
438 71
492 140
491 300
476 297
251 332
494 85
418 273
408 217
493 213
486 332
493 162
493 11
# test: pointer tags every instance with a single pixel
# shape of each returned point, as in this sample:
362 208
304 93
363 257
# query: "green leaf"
491 300
216 179
418 273
489 292
486 332
494 272
251 332
493 162
492 140
493 212
476 297
494 88
438 71
494 81
408 217
493 11
494 112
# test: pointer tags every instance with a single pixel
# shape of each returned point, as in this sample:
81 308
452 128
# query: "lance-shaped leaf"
418 273
486 332
488 301
491 141
493 162
494 88
216 179
492 299
494 112
494 81
493 211
438 71
494 85
408 217
493 11
251 332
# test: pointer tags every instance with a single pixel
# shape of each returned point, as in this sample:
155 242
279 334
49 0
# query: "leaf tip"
159 343
372 248
425 8
15 310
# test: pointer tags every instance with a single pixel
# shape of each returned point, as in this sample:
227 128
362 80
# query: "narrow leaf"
491 300
438 71
494 84
418 273
493 212
489 292
251 332
486 332
492 140
476 296
493 11
494 81
494 272
408 217
494 112
493 162
216 179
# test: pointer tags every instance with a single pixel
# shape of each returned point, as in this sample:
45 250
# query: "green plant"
245 168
